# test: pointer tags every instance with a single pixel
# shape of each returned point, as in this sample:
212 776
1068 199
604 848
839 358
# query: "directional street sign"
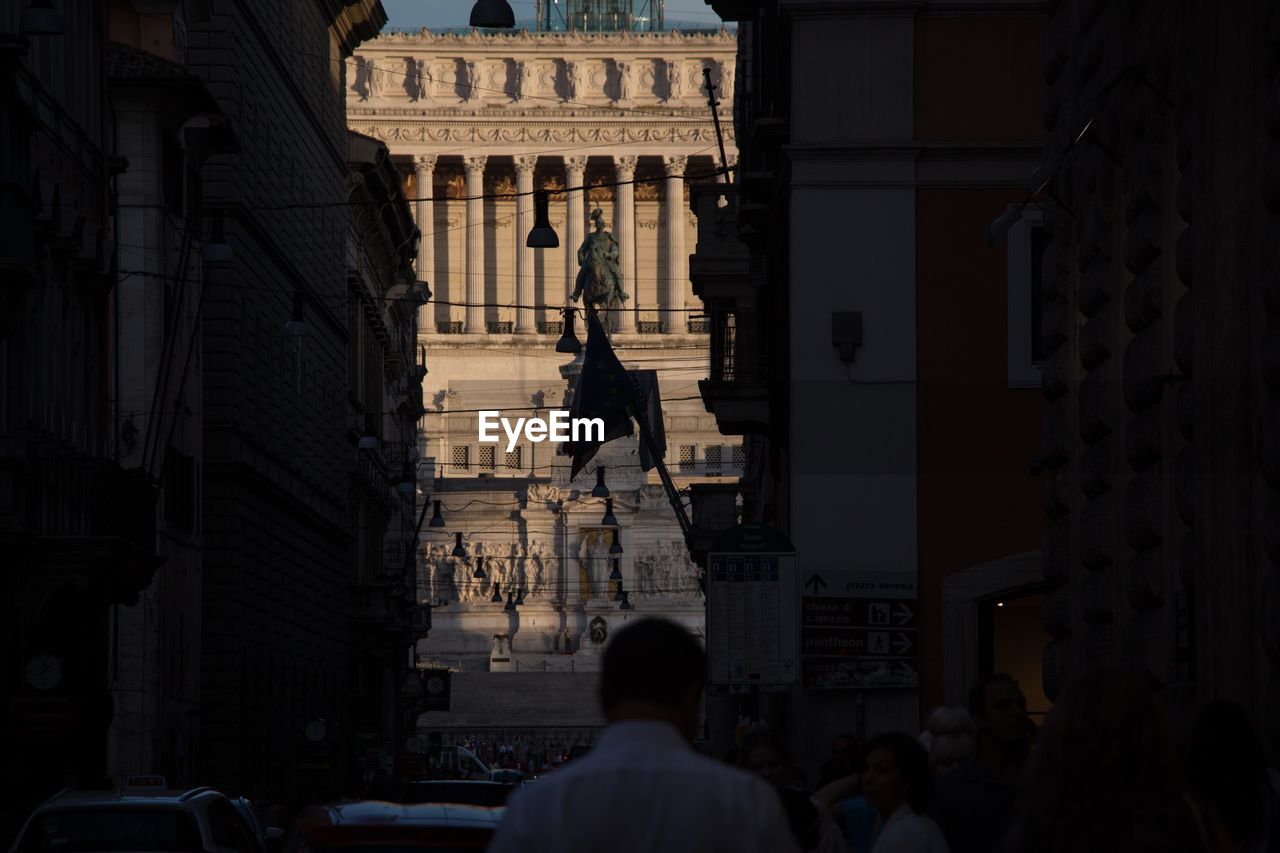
858 629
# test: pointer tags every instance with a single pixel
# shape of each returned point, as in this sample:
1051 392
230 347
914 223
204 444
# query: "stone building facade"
624 115
77 528
1160 303
168 125
872 345
280 431
385 374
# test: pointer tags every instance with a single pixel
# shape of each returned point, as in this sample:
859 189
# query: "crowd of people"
1104 772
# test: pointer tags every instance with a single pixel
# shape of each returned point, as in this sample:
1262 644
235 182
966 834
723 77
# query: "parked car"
462 792
457 762
269 837
144 816
373 826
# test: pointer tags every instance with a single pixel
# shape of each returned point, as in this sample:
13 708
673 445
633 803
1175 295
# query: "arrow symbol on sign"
902 614
815 580
901 643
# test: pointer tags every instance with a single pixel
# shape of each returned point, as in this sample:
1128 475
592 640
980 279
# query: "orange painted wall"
977 498
978 78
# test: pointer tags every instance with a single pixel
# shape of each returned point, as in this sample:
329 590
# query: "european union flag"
604 391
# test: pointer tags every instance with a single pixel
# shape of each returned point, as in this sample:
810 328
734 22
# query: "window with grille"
711 456
738 455
513 459
461 458
688 453
486 458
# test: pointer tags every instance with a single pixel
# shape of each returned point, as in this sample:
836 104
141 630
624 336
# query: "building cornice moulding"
498 115
557 41
543 134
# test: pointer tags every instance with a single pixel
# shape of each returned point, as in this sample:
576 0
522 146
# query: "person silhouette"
643 787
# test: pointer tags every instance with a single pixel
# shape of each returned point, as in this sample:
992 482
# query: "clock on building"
316 730
44 671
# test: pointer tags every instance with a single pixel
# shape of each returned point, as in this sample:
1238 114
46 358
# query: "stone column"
475 244
624 231
575 218
525 321
425 167
677 259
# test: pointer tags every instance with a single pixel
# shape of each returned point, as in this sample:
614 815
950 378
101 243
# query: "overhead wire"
341 300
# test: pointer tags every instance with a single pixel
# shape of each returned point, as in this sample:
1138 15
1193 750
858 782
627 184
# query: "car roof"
376 812
71 799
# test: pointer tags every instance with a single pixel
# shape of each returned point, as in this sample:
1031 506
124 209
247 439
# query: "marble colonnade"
621 220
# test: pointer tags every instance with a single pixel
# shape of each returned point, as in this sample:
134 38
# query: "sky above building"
439 14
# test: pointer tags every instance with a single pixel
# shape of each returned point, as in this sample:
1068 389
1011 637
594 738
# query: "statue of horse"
599 282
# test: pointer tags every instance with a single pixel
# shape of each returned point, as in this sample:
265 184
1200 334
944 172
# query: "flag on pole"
649 406
604 391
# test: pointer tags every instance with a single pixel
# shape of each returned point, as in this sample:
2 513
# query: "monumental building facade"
616 121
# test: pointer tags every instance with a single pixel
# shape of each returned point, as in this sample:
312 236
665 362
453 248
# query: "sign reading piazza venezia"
476 122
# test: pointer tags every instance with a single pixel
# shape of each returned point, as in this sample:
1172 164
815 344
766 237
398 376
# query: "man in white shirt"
643 788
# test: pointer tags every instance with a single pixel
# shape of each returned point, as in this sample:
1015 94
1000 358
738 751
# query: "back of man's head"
651 665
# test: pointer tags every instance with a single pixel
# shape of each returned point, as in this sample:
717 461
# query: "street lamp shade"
520 597
458 550
616 547
497 594
297 325
407 483
493 14
626 602
511 603
40 18
479 574
609 519
542 235
600 490
437 520
616 574
568 342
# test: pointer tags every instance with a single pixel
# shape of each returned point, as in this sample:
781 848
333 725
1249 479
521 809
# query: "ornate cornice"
554 41
547 134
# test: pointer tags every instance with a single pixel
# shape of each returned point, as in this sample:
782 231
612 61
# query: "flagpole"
670 487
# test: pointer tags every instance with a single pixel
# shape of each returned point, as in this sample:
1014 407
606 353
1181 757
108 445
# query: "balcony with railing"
89 517
736 390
